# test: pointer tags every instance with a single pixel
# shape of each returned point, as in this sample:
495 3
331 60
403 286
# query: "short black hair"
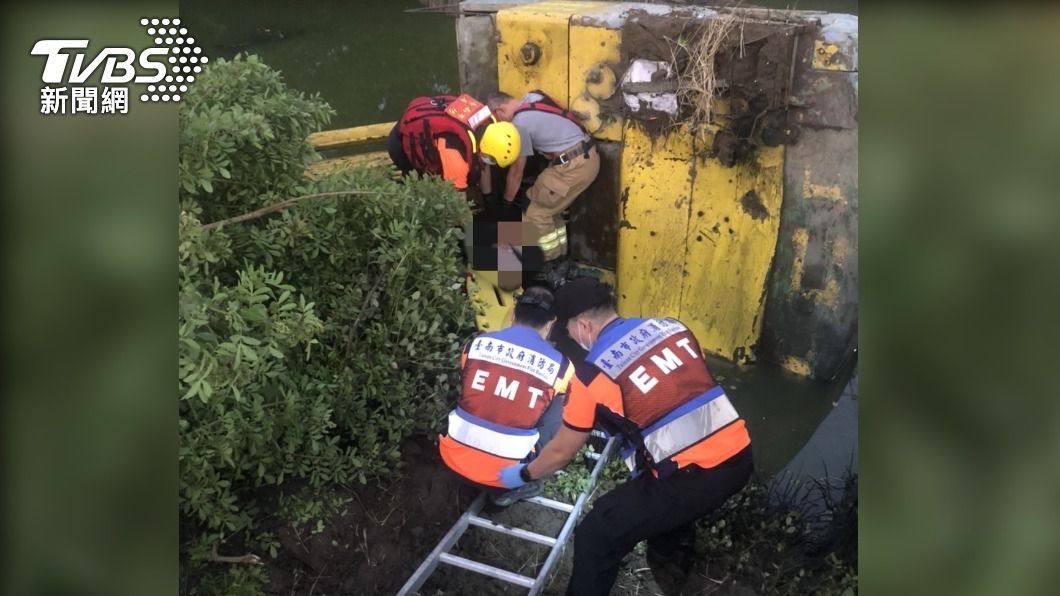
533 307
584 296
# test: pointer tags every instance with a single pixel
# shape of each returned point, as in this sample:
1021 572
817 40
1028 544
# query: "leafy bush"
785 538
314 339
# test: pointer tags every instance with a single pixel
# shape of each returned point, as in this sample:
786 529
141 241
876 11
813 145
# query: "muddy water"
367 58
782 410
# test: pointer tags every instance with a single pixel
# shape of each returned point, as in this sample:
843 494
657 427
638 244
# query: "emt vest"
549 106
510 378
427 119
667 393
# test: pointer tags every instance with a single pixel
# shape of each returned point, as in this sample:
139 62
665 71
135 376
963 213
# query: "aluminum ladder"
471 517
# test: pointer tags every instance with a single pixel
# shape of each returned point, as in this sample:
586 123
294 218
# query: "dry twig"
697 86
283 205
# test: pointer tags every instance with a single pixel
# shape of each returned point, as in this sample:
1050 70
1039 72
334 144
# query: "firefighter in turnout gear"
687 448
514 384
547 129
449 136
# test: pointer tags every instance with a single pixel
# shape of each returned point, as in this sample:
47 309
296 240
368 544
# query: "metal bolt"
531 53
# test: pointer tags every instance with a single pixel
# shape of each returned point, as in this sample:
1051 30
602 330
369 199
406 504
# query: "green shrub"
314 339
784 538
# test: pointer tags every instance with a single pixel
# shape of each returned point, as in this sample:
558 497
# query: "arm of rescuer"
558 453
485 183
579 414
514 179
454 168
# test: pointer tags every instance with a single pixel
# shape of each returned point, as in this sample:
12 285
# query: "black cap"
580 295
539 297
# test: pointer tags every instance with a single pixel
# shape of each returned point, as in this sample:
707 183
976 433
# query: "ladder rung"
550 503
517 532
488 570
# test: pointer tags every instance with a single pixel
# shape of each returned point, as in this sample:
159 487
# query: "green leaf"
256 313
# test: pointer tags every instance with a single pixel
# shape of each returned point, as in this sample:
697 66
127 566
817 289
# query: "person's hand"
509 477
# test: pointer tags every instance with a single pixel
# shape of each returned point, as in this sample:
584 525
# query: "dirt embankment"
752 68
383 534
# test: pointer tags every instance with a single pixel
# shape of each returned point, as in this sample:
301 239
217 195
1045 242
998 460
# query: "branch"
249 559
283 205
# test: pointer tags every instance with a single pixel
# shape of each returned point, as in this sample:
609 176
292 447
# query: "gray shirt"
543 132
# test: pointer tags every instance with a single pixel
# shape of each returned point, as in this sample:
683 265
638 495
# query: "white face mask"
585 346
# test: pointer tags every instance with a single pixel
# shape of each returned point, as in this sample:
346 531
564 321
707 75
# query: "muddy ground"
384 532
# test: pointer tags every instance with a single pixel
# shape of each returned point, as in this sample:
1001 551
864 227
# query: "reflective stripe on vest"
495 439
550 241
689 424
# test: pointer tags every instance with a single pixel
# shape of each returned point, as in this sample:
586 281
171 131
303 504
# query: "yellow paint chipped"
829 295
819 191
544 27
796 365
654 178
824 56
840 250
696 240
594 54
734 220
799 240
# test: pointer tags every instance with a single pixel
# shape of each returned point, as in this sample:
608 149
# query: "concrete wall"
476 46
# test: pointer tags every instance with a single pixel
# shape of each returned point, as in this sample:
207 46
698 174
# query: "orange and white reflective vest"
510 377
670 409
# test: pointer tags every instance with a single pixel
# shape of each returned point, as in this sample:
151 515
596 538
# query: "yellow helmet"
500 144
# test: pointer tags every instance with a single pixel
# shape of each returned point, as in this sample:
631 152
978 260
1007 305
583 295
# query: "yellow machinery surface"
696 240
714 245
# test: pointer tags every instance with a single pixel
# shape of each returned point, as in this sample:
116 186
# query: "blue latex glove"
509 476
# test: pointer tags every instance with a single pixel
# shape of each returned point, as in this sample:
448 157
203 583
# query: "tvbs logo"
167 68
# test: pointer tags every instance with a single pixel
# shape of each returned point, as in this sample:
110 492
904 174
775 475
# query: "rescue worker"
448 136
686 446
573 163
514 382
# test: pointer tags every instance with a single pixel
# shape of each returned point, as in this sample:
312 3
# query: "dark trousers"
397 153
663 512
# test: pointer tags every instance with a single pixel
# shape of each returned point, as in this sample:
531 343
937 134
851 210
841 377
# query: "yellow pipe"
344 137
